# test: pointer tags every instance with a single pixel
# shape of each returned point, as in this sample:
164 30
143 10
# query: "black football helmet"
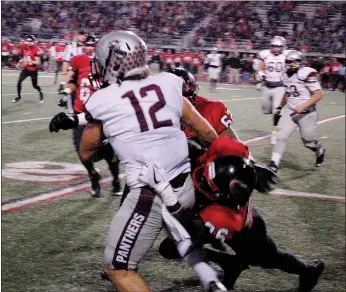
230 180
191 89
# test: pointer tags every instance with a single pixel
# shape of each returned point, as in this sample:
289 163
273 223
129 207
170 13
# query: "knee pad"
310 144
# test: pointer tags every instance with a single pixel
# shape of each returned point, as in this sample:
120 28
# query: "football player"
270 70
214 68
303 92
59 54
80 85
224 181
31 63
141 118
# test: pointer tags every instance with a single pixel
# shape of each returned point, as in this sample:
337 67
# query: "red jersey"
5 49
326 69
221 220
177 58
187 58
15 51
59 50
30 54
335 68
196 60
168 57
215 112
81 66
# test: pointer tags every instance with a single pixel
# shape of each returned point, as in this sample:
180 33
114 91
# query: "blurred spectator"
334 73
342 79
235 66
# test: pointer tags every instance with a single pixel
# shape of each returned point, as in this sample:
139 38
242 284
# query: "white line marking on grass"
39 76
21 204
23 121
254 140
27 113
239 99
289 193
29 93
11 207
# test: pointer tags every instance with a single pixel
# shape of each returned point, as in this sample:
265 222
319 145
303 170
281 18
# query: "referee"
72 49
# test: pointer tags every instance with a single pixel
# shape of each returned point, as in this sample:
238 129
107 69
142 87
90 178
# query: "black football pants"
23 75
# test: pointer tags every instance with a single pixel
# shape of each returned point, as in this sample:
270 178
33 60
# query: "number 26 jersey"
141 119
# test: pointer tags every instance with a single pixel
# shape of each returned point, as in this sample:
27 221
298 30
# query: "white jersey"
274 65
214 60
300 85
71 50
141 120
255 63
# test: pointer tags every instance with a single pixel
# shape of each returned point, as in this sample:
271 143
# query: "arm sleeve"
312 83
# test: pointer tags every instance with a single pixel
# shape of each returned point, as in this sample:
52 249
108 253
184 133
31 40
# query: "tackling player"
30 62
80 85
224 182
303 91
270 70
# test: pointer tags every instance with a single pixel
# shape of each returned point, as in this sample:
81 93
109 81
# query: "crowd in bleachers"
231 24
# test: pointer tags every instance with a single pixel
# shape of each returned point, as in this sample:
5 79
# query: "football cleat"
41 97
272 166
17 99
216 287
95 185
116 190
320 158
231 272
309 279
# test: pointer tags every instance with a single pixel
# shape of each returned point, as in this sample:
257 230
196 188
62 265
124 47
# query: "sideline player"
158 107
303 91
59 57
31 63
214 68
80 84
270 70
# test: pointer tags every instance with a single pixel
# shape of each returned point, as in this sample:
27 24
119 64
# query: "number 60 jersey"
141 119
81 66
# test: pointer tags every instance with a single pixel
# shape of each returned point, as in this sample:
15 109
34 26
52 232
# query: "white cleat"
273 138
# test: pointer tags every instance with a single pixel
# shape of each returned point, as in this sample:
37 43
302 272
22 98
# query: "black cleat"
310 277
320 158
116 190
95 185
41 97
104 276
17 99
216 287
272 166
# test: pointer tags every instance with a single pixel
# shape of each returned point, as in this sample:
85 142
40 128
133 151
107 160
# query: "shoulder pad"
306 72
264 54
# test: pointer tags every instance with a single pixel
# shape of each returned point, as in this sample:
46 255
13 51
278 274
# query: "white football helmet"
293 60
118 55
277 44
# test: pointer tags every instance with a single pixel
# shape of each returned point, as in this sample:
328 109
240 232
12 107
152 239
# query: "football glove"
262 75
277 115
265 178
62 121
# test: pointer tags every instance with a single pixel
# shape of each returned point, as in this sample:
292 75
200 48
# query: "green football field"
57 245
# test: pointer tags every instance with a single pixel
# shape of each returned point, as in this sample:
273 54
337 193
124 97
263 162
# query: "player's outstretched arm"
200 125
91 141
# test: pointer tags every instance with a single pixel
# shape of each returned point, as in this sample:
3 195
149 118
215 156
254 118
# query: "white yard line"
28 120
11 207
289 193
238 99
30 93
